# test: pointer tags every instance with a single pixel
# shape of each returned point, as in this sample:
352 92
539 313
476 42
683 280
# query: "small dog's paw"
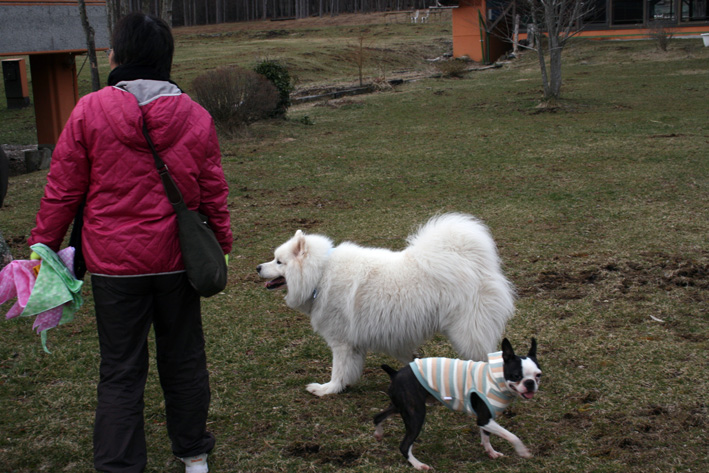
491 452
378 434
494 454
418 465
524 452
322 389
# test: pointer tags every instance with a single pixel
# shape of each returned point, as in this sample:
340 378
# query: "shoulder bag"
201 253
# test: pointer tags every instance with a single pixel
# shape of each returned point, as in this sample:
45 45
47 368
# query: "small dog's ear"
299 247
533 350
507 352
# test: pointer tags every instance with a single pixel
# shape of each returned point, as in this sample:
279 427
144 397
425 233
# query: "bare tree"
166 11
219 11
359 54
90 46
661 32
557 21
112 14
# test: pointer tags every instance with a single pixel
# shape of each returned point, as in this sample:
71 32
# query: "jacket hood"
166 119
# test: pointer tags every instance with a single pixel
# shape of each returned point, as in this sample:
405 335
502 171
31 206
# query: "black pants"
125 310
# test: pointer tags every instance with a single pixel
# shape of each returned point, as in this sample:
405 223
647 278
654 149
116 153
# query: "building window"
661 10
694 10
597 15
626 12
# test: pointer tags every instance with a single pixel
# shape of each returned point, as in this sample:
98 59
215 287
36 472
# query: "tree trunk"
90 46
115 9
166 11
110 16
554 70
542 65
515 36
186 13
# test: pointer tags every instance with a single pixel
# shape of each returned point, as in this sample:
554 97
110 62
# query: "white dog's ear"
299 247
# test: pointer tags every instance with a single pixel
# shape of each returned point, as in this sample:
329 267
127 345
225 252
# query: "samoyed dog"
447 280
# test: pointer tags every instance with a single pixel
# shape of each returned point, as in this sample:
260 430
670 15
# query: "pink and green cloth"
53 295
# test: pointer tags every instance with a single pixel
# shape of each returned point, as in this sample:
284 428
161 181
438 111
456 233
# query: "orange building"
479 26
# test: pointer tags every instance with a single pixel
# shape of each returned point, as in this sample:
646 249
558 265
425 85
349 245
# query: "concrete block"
38 159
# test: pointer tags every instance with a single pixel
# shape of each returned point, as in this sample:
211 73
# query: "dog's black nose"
258 268
530 385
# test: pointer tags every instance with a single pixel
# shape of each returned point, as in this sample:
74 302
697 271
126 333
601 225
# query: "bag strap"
173 193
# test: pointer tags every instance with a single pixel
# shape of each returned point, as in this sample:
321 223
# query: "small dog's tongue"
528 395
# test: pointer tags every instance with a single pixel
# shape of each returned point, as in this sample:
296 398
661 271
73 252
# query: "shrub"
662 33
235 97
454 68
278 74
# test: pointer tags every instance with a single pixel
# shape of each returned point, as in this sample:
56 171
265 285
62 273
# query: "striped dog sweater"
451 382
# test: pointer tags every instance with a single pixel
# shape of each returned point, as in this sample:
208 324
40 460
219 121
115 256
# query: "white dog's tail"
454 235
457 250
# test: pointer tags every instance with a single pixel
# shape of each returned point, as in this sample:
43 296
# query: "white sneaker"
196 464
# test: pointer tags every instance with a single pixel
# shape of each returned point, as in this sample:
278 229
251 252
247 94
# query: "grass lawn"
598 206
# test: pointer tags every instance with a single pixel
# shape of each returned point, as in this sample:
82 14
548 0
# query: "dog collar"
315 292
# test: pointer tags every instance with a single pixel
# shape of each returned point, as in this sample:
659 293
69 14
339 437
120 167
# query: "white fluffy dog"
448 280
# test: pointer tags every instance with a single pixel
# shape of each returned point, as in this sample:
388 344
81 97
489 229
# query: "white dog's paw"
323 389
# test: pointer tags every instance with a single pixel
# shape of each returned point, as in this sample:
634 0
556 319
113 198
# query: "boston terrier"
481 388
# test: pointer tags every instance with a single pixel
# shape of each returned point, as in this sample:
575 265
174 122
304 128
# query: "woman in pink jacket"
130 241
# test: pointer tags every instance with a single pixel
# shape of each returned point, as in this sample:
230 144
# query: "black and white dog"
481 388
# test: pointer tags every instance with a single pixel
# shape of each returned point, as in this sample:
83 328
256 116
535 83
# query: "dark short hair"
143 40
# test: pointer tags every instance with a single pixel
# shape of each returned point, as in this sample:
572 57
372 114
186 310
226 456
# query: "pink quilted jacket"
130 227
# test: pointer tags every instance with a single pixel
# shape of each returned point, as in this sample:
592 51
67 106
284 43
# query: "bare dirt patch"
313 452
650 271
633 437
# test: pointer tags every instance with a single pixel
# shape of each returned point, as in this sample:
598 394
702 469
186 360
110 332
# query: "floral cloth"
53 296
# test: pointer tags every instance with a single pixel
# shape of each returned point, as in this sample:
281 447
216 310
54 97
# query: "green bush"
235 97
278 74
